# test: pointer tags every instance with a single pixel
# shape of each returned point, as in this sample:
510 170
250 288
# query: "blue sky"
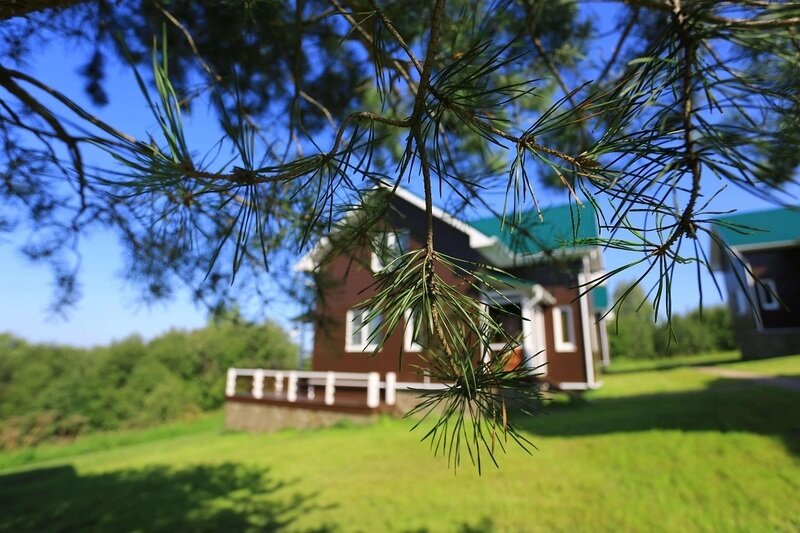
110 309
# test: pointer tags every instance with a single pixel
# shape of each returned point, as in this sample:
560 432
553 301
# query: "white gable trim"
476 238
491 247
765 245
310 261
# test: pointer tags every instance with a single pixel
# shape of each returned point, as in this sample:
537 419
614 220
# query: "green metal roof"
600 297
554 231
760 227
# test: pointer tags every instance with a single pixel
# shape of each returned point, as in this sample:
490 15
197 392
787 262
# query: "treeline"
635 334
49 391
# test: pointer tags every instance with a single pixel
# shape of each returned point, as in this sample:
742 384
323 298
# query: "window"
415 336
564 328
768 295
361 334
508 316
388 247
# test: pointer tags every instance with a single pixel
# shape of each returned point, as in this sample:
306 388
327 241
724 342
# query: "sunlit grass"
108 440
633 365
661 450
778 366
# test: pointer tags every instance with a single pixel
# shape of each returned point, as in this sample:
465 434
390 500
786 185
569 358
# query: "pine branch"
685 225
754 23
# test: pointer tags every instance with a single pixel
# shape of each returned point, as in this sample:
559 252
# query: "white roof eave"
500 256
310 261
492 248
477 239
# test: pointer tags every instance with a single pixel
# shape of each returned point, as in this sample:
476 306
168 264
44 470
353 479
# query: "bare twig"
399 38
620 43
367 39
189 39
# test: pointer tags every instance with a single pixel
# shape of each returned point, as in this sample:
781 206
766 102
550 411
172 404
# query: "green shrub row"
634 333
49 392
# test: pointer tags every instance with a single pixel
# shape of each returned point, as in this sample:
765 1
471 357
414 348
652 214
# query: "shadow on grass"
726 405
225 497
484 525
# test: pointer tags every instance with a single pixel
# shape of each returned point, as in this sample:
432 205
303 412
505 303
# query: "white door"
533 336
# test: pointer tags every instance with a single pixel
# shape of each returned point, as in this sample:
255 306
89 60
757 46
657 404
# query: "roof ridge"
531 210
789 208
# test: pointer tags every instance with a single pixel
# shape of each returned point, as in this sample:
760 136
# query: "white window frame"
375 263
558 334
391 240
768 295
408 335
368 342
510 298
388 240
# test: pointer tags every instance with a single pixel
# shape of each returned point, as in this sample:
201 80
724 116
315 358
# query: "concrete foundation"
244 413
769 343
262 417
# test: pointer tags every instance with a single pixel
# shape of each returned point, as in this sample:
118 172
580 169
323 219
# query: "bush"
32 429
632 333
50 392
635 335
697 332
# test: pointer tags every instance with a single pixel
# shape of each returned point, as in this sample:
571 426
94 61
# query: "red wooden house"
563 332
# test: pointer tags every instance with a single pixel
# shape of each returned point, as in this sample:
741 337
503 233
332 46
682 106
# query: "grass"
777 366
636 365
108 440
662 450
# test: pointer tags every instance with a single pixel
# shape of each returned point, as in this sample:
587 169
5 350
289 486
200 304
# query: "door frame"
534 343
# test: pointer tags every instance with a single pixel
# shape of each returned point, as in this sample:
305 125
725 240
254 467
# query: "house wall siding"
447 239
567 366
353 287
560 279
351 282
780 330
780 266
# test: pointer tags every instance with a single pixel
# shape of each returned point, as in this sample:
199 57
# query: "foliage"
463 99
697 332
776 366
635 333
637 365
736 445
56 392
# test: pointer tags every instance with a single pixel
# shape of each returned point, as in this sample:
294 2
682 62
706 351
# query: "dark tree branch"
21 8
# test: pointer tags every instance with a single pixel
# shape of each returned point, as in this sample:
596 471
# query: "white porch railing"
286 384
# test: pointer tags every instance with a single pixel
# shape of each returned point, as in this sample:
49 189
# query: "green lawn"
656 450
635 365
778 366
